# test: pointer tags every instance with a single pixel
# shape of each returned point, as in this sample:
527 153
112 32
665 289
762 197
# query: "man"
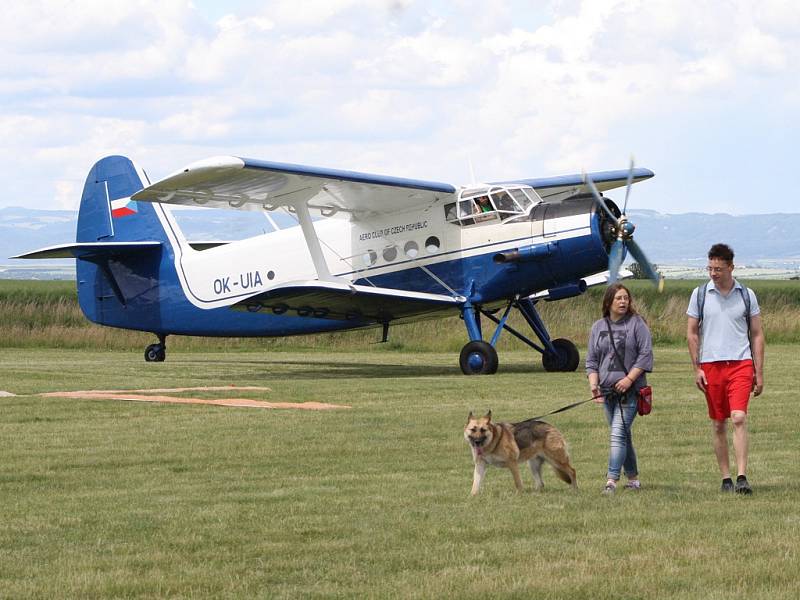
482 207
726 345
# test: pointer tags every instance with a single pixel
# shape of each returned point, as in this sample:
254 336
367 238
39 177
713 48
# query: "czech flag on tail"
123 207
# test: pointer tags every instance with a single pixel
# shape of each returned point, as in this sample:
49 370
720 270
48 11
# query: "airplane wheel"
478 358
155 353
567 358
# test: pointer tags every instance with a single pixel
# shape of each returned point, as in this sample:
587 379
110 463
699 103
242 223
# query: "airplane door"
538 215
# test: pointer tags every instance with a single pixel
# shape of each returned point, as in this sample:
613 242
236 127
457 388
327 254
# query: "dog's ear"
488 416
470 417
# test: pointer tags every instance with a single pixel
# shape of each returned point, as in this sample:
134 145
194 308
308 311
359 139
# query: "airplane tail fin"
108 214
120 246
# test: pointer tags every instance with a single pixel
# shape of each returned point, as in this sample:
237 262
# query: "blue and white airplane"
371 251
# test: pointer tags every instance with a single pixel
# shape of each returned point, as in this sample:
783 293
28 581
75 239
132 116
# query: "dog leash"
567 407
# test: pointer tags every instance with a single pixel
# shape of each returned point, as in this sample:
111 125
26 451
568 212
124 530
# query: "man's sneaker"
609 489
727 486
742 487
633 485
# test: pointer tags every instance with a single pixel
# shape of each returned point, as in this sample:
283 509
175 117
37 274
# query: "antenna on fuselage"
472 180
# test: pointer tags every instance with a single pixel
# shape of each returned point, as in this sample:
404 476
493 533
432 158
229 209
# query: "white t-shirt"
723 331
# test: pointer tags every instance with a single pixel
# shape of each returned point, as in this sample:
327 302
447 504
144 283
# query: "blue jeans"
622 454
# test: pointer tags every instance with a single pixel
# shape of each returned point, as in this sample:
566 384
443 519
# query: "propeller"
623 231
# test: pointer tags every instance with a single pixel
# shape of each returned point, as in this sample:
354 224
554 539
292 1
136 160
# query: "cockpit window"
467 208
491 203
521 198
505 202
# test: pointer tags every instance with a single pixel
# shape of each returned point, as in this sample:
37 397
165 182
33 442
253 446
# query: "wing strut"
312 241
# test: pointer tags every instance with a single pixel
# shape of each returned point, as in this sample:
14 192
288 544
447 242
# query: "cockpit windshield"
490 204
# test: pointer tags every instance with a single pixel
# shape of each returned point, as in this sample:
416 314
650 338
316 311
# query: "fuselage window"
369 257
432 245
411 249
390 253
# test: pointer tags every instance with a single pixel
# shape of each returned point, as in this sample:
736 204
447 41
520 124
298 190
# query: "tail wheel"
478 358
565 359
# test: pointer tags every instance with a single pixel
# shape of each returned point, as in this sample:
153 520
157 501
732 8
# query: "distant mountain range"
771 240
756 239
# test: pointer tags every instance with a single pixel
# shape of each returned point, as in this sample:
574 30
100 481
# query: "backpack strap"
746 299
701 301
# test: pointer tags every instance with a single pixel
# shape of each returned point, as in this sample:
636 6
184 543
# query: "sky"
704 93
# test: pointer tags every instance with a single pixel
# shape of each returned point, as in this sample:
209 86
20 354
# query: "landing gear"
565 358
156 352
478 358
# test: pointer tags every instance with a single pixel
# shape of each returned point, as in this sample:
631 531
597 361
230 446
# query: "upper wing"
333 300
564 186
231 182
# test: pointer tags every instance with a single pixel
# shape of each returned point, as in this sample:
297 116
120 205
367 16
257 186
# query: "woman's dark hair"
722 252
608 298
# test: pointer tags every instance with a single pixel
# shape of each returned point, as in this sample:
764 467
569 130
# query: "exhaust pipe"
526 253
566 291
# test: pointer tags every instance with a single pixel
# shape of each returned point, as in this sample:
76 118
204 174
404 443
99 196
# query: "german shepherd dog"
507 444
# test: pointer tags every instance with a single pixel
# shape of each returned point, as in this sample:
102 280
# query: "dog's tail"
559 459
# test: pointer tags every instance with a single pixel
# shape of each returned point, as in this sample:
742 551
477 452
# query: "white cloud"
399 87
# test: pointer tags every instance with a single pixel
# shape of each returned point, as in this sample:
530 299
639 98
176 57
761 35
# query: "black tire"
566 359
155 353
478 358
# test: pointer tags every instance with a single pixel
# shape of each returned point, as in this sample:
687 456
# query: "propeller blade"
615 258
628 187
646 265
598 198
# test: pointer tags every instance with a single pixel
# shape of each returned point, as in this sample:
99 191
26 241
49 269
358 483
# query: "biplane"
370 251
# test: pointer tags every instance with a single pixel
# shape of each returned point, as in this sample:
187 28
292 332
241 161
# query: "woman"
616 370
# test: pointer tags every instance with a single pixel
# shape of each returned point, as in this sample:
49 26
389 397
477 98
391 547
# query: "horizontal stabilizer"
87 250
342 301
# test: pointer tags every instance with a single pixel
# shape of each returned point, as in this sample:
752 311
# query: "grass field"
113 499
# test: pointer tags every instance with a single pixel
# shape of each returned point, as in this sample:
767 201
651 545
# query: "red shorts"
729 385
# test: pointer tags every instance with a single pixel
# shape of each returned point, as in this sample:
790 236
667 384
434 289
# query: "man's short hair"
721 251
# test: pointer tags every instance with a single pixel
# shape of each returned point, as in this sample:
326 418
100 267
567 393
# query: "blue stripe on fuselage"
573 259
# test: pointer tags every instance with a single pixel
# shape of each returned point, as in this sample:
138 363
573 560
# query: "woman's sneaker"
610 488
634 484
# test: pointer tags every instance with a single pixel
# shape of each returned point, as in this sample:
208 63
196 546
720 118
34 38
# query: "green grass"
106 499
